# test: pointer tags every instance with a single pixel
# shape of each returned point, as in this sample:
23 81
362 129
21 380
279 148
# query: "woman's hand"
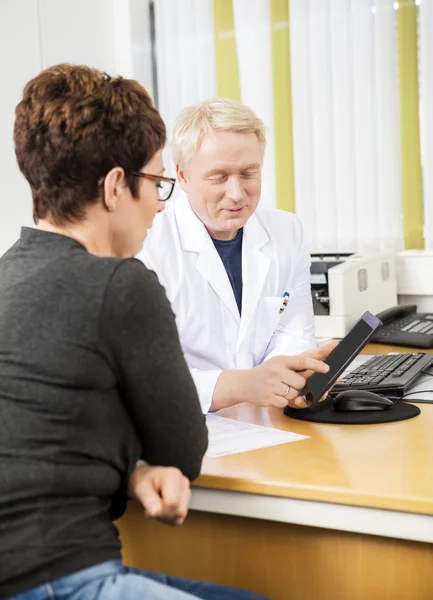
164 492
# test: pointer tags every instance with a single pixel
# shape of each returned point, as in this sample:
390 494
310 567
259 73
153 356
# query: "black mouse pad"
324 413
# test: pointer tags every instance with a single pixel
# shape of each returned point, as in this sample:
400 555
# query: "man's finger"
325 395
291 379
324 351
304 362
297 402
278 401
306 374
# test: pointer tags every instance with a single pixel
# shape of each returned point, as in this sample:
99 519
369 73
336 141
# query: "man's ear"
114 183
182 178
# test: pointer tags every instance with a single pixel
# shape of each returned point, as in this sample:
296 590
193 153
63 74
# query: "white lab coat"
213 335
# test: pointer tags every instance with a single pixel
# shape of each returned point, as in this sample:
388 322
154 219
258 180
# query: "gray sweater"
92 377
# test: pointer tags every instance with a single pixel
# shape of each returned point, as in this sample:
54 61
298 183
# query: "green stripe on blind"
226 56
282 90
411 174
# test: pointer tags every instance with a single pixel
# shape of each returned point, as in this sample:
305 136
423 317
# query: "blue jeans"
112 581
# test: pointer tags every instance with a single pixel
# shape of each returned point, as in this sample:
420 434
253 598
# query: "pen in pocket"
286 297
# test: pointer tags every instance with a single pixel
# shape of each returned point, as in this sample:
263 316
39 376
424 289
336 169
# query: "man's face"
223 181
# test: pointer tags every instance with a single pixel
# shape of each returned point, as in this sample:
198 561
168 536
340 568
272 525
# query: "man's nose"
161 206
234 189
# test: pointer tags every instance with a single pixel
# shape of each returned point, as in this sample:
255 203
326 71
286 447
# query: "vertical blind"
338 145
254 50
185 54
346 123
426 109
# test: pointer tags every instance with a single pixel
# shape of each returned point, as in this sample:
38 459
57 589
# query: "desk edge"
340 517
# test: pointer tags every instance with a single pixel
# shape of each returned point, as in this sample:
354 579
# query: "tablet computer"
341 357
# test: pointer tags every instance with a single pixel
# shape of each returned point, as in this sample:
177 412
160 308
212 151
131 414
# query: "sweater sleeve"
138 328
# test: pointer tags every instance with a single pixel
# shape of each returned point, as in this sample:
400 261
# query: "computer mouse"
351 400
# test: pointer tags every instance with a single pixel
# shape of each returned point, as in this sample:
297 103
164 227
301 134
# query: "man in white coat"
238 276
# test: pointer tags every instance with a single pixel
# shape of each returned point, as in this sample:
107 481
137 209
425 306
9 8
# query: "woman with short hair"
92 377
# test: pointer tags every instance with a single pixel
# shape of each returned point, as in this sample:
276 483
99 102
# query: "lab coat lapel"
255 267
195 238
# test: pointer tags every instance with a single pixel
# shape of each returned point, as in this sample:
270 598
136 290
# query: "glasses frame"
152 177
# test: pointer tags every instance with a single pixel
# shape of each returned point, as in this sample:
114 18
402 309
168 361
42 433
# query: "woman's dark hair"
72 126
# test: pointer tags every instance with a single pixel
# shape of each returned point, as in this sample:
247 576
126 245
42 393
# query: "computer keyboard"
387 374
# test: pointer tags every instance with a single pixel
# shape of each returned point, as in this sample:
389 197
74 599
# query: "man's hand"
320 353
279 381
270 381
164 492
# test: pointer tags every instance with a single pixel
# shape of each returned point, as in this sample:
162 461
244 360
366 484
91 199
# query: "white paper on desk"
227 436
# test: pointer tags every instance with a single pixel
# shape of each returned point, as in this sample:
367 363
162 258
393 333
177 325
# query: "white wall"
112 35
20 60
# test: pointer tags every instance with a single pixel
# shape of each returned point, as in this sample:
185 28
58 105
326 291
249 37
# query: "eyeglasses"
165 184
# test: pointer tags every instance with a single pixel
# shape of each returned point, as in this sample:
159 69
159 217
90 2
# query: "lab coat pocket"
267 318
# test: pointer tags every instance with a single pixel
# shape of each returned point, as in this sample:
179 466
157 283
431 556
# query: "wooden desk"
346 514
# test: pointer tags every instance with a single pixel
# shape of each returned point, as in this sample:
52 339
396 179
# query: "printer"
343 286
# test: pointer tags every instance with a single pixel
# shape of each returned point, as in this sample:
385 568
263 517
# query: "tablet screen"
341 357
